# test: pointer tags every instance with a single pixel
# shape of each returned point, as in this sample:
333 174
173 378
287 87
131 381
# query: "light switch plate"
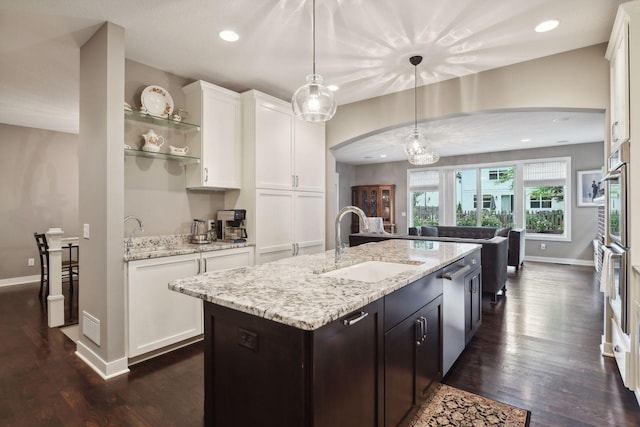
85 231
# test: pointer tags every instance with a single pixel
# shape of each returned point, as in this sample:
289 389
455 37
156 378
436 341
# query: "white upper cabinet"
219 113
618 55
289 153
309 156
273 144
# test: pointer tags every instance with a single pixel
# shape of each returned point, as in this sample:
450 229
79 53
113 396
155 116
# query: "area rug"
450 406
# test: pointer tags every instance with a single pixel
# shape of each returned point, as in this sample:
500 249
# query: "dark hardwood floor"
537 349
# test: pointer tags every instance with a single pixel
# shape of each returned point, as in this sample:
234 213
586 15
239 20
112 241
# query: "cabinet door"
429 352
274 146
221 150
412 361
308 222
228 258
218 144
619 71
473 303
348 390
157 316
274 225
309 156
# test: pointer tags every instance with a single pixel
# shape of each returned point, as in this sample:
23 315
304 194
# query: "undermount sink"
369 271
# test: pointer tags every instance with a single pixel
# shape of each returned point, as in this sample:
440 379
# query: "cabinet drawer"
621 348
403 302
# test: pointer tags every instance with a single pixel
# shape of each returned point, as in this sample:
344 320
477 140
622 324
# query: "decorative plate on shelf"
157 101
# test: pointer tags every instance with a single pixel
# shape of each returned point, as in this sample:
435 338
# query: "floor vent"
91 327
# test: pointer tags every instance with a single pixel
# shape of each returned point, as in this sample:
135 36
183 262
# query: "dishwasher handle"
452 275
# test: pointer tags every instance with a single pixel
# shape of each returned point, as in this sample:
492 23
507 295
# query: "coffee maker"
230 227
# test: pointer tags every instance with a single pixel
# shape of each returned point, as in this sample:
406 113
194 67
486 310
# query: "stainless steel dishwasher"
453 313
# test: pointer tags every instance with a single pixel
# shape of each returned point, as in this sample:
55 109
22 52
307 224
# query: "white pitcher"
152 141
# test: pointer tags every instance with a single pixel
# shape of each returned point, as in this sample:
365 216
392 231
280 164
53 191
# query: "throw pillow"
503 232
429 231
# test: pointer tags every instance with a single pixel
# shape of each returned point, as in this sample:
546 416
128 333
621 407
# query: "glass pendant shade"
428 157
415 142
416 145
314 102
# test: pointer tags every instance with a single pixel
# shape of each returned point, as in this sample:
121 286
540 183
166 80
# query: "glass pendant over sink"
416 145
314 102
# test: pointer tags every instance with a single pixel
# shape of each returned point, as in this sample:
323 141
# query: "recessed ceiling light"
545 26
383 155
525 140
367 157
561 119
562 141
228 35
333 88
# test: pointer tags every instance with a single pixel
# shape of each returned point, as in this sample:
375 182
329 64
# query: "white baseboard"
19 280
569 261
106 370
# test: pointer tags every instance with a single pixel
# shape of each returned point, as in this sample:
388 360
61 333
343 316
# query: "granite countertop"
292 290
169 245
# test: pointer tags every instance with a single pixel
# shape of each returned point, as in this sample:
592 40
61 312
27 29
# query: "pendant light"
314 102
416 145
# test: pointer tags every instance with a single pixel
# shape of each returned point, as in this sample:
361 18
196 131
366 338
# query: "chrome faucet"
364 226
129 241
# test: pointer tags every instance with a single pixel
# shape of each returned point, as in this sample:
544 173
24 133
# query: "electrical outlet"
85 231
31 262
543 247
404 214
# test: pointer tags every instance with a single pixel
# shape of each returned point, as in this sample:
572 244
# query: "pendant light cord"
415 96
313 30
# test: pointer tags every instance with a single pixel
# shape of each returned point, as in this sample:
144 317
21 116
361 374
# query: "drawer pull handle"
356 319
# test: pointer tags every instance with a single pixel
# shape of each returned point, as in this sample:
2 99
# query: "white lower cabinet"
158 317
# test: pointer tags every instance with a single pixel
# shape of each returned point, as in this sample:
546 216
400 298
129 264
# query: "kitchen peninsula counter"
293 292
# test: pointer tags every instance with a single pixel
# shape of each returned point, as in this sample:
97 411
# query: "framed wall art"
590 187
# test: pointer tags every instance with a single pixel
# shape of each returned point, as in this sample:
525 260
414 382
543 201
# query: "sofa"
494 252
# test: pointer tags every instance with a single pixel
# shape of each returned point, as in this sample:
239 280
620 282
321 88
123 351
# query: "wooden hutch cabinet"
375 201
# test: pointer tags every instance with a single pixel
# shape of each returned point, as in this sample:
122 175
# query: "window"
496 174
424 198
497 190
544 190
487 200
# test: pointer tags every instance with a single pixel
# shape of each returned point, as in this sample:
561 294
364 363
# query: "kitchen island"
289 344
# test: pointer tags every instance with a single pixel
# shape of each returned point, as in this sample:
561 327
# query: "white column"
55 299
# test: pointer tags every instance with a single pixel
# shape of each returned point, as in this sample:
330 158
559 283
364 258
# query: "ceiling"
363 46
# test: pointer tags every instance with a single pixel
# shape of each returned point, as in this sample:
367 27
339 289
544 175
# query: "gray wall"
574 79
39 182
38 191
155 190
583 219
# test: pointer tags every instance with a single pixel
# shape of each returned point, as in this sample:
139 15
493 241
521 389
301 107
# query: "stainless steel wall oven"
616 195
618 232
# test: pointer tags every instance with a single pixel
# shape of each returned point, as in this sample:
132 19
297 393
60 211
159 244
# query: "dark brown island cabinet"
372 367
